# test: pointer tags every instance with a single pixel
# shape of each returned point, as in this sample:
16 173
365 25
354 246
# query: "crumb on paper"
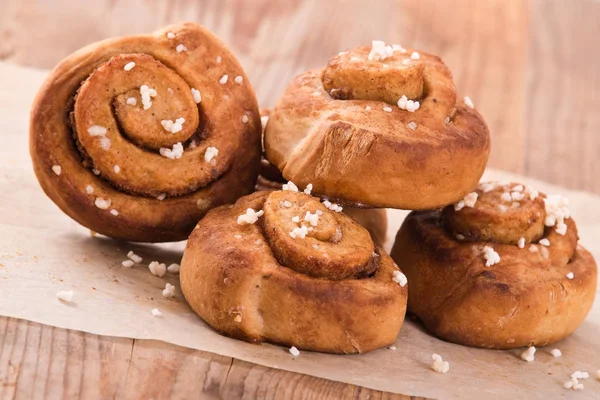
174 268
529 354
65 295
157 269
168 291
155 312
439 365
294 351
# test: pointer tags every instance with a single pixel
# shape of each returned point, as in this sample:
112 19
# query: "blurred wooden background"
530 66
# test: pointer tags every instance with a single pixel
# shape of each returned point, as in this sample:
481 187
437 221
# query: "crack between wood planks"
124 384
227 375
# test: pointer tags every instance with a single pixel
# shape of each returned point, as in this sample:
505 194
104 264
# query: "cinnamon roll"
282 267
138 137
380 126
499 269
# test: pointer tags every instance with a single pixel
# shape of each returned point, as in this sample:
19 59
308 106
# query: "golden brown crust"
346 144
92 88
231 277
525 299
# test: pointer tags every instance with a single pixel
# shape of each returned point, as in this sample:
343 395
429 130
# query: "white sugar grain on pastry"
400 278
412 126
487 186
332 206
387 109
544 242
168 291
116 168
105 143
244 119
556 353
161 196
397 47
521 243
156 312
294 351
97 130
218 59
287 204
129 66
316 93
56 169
65 295
531 192
533 248
132 101
174 268
223 79
249 217
406 61
469 102
290 186
296 219
127 263
439 365
415 56
517 188
299 232
502 208
238 80
175 153
237 236
308 188
89 189
312 218
114 212
545 252
170 91
529 354
196 95
459 236
368 108
506 196
147 93
379 51
158 269
490 255
96 171
180 48
210 153
101 203
170 35
409 105
134 257
561 228
570 275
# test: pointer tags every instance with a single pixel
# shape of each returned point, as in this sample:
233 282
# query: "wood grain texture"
531 67
43 362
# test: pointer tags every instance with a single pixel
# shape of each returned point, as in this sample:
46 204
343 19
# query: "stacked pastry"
138 138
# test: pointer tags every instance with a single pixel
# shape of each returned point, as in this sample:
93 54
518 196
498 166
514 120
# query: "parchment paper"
42 251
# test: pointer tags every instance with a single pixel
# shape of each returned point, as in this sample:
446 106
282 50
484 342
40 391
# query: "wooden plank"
39 361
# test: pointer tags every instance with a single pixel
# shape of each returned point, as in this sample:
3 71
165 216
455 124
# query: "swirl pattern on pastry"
138 137
381 131
499 269
281 267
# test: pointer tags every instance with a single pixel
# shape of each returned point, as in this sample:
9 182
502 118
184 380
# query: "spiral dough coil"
281 267
138 137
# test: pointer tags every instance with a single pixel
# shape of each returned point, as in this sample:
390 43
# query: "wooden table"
531 67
